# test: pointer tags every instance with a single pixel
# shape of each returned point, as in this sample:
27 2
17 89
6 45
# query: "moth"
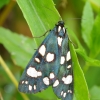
50 65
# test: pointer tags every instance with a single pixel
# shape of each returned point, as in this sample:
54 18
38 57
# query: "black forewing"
45 67
64 91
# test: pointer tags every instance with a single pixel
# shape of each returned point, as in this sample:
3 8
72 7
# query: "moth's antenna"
52 11
43 34
71 41
47 30
74 18
48 8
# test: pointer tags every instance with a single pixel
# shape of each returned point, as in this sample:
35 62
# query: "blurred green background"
82 19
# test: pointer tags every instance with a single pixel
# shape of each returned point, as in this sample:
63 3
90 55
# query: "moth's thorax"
60 29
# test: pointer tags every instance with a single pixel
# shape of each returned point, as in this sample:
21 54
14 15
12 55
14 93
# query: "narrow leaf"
38 13
80 86
87 23
20 47
95 93
95 45
3 2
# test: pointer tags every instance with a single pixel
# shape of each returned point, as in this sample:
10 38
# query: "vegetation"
17 45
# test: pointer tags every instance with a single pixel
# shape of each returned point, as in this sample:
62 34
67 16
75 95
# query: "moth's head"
60 29
61 23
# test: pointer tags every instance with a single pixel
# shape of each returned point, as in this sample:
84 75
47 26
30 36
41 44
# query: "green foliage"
38 14
41 16
3 2
87 24
95 50
78 75
95 90
19 46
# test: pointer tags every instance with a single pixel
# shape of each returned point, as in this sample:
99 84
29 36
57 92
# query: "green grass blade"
20 47
87 23
95 45
40 15
80 86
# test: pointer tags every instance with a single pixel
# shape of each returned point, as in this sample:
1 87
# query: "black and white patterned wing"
43 66
63 85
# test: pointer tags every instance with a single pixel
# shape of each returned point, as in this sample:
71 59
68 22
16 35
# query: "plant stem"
6 11
11 76
1 98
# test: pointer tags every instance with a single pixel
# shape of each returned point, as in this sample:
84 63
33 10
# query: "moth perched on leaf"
50 65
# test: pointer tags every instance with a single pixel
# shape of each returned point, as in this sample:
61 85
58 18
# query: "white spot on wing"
62 60
42 50
34 87
62 92
26 82
64 95
46 80
30 87
37 60
63 79
59 41
51 75
68 57
32 72
39 73
59 28
67 80
69 91
22 82
49 57
69 66
56 83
